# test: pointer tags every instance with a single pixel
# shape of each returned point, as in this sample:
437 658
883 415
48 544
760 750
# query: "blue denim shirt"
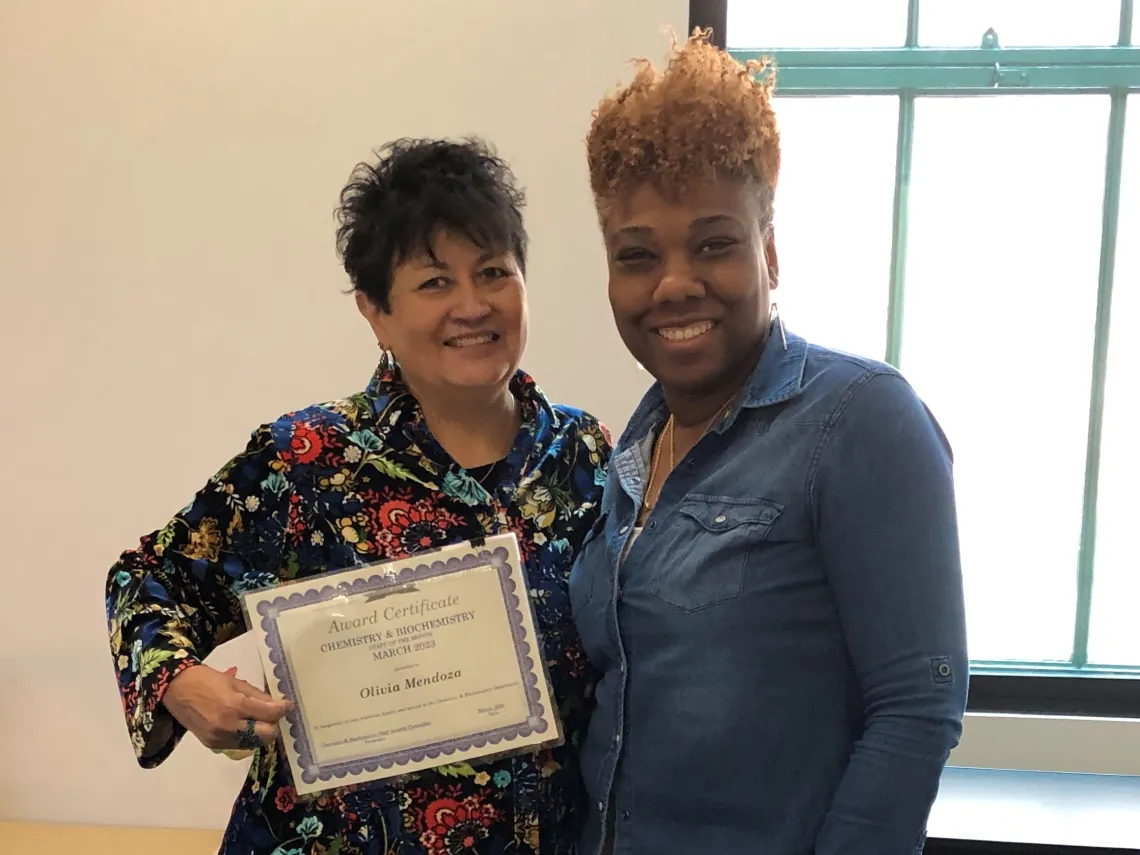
783 649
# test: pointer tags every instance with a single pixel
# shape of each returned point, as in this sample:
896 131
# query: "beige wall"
168 173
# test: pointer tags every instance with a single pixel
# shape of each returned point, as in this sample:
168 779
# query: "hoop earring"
774 318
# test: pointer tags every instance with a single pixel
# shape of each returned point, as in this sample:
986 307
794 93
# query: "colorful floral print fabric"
345 483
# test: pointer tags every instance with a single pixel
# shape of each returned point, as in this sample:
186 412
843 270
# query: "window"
969 165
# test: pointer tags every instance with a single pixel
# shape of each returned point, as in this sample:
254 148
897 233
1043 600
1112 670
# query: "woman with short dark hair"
449 441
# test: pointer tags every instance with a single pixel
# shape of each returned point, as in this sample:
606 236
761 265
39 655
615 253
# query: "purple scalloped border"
311 771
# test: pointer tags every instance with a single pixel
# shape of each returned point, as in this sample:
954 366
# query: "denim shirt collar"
778 377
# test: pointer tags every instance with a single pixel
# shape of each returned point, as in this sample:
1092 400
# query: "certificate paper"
405 665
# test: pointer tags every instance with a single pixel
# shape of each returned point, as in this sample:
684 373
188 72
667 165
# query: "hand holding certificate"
407 665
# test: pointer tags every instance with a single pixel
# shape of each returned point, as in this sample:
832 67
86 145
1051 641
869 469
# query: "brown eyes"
716 246
711 248
633 255
491 273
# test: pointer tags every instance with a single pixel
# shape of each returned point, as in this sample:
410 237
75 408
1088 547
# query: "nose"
471 304
678 281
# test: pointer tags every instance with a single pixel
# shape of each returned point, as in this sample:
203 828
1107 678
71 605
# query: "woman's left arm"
886 523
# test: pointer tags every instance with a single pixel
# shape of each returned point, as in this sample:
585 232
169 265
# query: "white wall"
168 174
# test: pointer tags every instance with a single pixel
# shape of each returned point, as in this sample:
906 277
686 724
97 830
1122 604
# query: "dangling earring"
774 318
387 360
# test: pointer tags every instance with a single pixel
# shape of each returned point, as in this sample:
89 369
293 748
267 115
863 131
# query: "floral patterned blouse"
349 482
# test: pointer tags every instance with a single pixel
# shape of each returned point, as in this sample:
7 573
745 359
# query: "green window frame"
912 71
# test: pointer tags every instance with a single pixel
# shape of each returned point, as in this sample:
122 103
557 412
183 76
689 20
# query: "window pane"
1113 638
815 23
833 219
1003 255
1019 23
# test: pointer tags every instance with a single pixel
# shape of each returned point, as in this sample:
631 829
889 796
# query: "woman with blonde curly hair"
773 590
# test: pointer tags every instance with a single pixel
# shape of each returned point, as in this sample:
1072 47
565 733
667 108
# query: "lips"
474 339
685 332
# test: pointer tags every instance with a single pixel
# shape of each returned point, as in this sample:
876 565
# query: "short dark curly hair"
392 209
705 116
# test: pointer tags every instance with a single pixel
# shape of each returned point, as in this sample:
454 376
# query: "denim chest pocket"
707 548
589 565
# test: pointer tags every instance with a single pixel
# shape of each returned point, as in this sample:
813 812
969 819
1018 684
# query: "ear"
772 259
376 317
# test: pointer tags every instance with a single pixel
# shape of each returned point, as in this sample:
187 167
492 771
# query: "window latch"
1002 76
1008 76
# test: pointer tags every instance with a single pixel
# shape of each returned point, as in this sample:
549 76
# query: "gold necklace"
490 468
482 482
645 504
656 459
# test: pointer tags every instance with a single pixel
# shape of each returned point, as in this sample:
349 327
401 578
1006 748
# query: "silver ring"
247 737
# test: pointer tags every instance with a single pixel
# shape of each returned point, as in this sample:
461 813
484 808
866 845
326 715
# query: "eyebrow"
635 231
715 219
440 264
700 222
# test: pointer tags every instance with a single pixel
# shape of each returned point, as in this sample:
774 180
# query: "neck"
692 411
475 427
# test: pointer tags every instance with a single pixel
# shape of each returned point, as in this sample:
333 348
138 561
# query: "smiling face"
457 317
690 285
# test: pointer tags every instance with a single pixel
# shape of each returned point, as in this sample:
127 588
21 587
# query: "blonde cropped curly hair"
705 117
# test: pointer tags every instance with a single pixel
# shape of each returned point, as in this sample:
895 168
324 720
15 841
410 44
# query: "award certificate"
405 665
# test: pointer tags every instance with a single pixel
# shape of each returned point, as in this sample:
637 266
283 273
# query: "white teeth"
685 333
473 339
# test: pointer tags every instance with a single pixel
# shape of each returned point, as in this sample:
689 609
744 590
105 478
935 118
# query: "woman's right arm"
175 597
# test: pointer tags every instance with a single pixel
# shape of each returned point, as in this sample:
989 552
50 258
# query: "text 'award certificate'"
405 665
